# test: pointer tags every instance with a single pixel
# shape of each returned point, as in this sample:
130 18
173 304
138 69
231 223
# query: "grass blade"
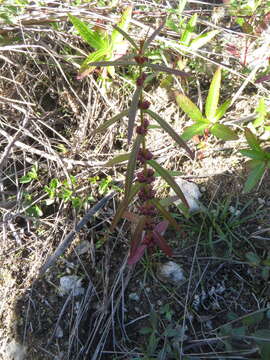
213 96
169 180
222 109
203 39
127 37
113 63
166 127
163 68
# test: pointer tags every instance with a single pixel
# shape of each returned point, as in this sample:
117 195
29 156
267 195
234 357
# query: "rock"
191 192
83 247
172 272
134 296
71 283
15 351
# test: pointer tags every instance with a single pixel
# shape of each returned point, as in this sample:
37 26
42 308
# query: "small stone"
261 201
170 271
59 332
134 296
191 192
71 283
83 247
15 351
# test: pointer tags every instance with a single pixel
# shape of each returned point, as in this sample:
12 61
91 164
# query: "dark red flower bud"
144 105
140 59
141 79
141 130
144 155
145 123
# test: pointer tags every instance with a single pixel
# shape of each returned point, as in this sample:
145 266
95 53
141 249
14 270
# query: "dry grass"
47 118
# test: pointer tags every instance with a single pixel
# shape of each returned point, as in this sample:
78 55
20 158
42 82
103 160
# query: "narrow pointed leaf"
163 68
252 140
222 109
165 213
110 122
253 154
203 39
213 96
162 244
223 132
95 56
166 127
195 129
152 36
93 38
169 180
113 63
135 253
127 37
124 204
123 24
161 227
133 259
254 177
133 111
118 159
131 165
186 37
188 107
261 110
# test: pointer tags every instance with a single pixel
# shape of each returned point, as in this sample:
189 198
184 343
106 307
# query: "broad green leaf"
166 127
222 109
262 335
165 213
133 111
110 122
254 177
131 165
188 107
223 132
252 140
169 180
261 110
186 37
123 24
251 164
118 159
253 154
257 317
94 56
203 39
93 38
213 96
195 129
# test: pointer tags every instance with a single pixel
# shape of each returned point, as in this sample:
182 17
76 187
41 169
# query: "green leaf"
256 318
131 165
186 37
123 24
195 129
223 132
165 213
203 39
222 109
253 154
166 69
188 107
26 179
118 159
93 38
110 122
261 110
166 127
85 69
169 180
254 177
252 140
254 259
213 96
127 37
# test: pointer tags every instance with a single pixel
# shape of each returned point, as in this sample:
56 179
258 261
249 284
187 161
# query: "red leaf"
162 244
136 256
161 227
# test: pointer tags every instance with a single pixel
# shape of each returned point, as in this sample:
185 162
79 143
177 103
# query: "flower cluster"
143 128
144 155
